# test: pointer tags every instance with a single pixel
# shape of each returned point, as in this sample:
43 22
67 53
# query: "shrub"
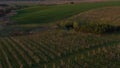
66 25
76 26
71 2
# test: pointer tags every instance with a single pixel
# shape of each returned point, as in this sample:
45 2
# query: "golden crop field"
110 15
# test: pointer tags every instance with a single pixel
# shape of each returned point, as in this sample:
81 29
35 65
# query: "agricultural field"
54 49
55 13
108 15
76 35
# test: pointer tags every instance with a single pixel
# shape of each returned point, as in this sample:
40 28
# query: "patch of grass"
32 9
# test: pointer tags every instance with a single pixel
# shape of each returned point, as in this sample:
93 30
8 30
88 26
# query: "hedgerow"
89 27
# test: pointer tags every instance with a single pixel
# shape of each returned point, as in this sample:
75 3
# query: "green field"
46 14
49 46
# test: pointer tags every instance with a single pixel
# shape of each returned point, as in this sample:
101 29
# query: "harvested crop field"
110 15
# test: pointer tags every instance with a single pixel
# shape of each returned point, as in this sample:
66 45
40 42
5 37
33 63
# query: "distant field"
106 15
55 13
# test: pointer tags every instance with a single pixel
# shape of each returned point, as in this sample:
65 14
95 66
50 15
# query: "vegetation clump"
71 2
90 27
99 28
66 25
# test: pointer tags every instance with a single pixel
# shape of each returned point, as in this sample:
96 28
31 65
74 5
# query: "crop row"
54 50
